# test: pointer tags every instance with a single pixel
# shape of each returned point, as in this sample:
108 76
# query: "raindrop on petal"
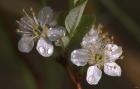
113 52
25 44
112 69
53 23
56 33
91 40
79 57
94 74
44 47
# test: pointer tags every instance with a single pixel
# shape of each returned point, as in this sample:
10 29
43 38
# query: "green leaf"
44 2
84 26
12 65
75 1
73 18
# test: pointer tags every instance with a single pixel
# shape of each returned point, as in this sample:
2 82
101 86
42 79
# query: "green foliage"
44 2
125 19
84 26
14 69
77 24
75 2
73 19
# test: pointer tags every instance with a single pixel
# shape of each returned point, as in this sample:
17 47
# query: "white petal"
112 69
113 52
52 23
56 33
25 44
91 40
44 47
79 57
26 24
94 74
28 20
93 32
45 16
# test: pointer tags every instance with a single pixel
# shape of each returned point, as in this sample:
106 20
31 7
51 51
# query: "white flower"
44 47
41 28
26 43
99 54
91 39
93 75
80 57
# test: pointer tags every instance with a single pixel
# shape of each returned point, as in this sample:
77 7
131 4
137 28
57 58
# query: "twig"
63 60
74 78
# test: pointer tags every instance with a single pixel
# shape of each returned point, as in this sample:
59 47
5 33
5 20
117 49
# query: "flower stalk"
73 77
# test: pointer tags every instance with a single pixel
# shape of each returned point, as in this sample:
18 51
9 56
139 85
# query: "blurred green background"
31 71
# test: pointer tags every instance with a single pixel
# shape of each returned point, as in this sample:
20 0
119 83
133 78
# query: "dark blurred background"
31 71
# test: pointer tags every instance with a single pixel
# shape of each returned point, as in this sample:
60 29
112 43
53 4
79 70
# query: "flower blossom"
42 29
99 51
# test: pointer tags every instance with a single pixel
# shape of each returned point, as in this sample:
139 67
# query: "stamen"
33 30
17 21
33 26
34 17
98 57
26 23
100 26
25 12
103 36
23 32
35 37
108 40
99 31
112 39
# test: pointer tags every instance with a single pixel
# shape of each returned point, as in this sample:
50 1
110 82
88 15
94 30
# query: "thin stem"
63 60
73 78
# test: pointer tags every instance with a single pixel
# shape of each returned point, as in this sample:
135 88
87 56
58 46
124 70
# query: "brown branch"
63 60
74 78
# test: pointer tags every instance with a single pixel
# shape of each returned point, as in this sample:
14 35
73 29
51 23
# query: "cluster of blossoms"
99 51
42 29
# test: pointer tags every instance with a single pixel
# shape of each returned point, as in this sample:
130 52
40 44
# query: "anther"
19 31
100 26
25 12
34 17
17 21
112 37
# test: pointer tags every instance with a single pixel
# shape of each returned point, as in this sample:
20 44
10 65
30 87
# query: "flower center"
96 58
38 30
36 27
